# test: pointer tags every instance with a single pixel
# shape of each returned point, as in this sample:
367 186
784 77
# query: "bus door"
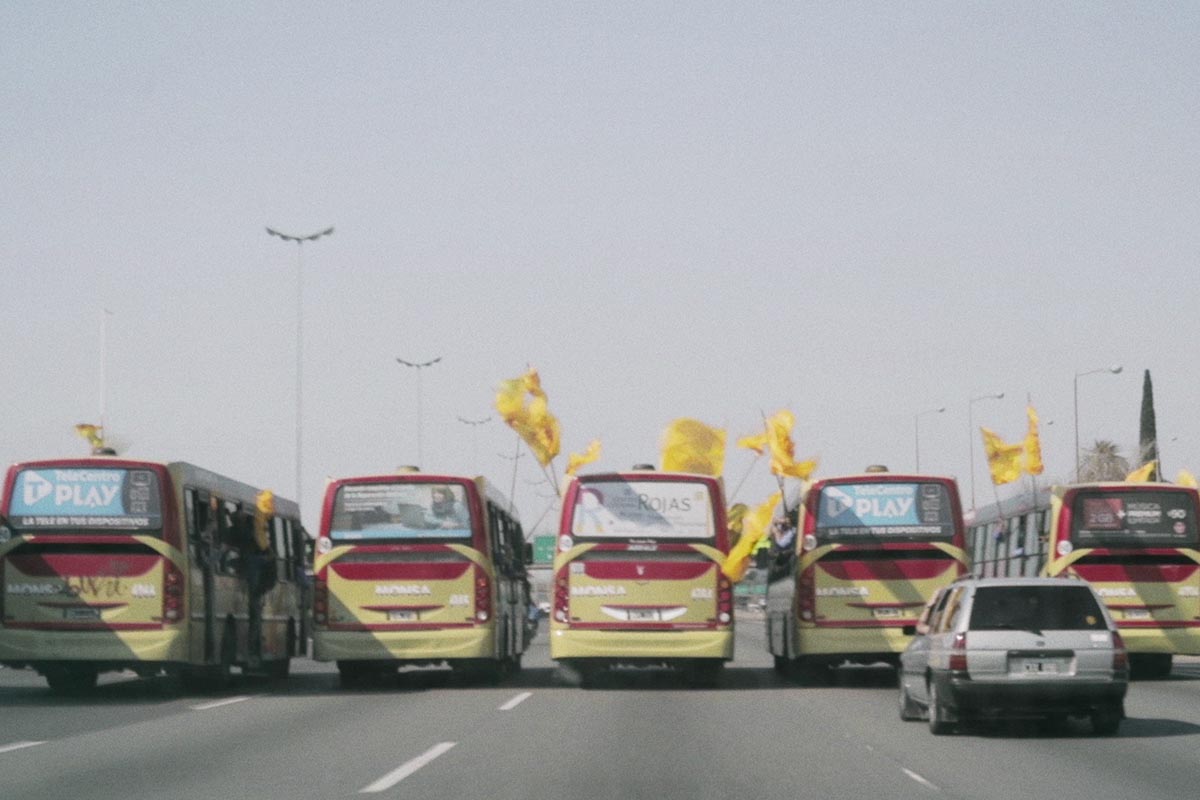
202 511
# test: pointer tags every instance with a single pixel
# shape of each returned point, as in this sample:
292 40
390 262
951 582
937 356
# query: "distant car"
991 648
543 608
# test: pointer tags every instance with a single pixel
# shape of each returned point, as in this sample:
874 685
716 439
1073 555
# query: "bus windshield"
1159 518
884 510
633 509
400 511
71 499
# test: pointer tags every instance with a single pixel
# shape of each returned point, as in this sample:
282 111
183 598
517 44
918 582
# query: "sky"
861 212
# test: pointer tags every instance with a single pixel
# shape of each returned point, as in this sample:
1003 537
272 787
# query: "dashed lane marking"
920 779
8 748
218 703
516 701
406 769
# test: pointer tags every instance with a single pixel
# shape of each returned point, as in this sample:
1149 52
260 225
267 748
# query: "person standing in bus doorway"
260 572
445 511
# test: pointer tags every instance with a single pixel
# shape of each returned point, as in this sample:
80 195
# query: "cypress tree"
1147 434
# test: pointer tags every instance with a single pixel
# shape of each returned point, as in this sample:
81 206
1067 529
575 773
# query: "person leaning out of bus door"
445 511
782 549
261 570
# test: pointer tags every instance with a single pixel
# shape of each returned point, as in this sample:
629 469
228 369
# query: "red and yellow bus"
1136 543
417 569
113 564
870 551
637 575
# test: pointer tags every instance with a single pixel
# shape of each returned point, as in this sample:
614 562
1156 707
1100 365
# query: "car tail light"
172 592
806 601
958 653
320 602
562 594
724 600
483 596
1120 661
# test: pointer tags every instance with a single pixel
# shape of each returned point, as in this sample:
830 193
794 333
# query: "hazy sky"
857 211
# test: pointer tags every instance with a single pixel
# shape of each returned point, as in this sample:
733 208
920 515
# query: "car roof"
978 582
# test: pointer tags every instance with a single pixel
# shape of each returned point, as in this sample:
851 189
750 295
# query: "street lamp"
418 366
971 426
917 431
474 423
299 240
1115 369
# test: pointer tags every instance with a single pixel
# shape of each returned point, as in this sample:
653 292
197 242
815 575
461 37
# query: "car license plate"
886 613
402 615
81 614
643 615
1039 666
1136 613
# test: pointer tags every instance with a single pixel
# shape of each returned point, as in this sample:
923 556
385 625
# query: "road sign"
543 549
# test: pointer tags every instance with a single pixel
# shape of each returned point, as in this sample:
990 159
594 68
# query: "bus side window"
279 537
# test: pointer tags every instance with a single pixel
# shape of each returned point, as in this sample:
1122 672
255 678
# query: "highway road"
639 734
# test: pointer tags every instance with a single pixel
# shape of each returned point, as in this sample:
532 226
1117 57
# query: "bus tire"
71 680
352 675
782 665
1149 666
812 672
704 673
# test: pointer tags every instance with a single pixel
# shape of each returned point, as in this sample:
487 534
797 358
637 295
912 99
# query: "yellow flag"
1033 445
532 420
754 528
757 442
1004 460
93 433
264 504
577 460
1185 478
1142 474
689 445
779 440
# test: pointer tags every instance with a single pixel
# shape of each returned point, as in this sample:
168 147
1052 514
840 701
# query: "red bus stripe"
405 570
85 626
915 570
647 570
1136 573
106 565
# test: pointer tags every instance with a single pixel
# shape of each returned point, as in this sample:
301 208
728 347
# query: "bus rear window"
397 511
643 510
1134 519
885 510
73 499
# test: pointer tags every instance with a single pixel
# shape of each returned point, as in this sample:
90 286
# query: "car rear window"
1036 608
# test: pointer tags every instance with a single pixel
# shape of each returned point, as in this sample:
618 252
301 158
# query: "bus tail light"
320 602
562 594
172 593
1120 661
806 601
483 596
958 654
724 599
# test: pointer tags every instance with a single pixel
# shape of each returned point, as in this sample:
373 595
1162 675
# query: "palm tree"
1103 462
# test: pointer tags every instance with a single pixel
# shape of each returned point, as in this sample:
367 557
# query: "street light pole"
917 431
971 426
474 423
299 240
1115 369
418 366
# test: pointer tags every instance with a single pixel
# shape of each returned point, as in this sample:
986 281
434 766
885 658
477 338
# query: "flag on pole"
783 451
1142 474
1185 478
577 460
93 433
756 442
689 445
754 527
530 417
1033 445
1004 459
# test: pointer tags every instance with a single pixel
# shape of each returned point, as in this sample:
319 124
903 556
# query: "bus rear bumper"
404 646
857 645
641 645
1176 641
30 648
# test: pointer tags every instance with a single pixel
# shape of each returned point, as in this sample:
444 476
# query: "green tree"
1103 462
1147 433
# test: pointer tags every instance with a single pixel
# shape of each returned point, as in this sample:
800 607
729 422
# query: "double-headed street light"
299 240
1115 369
917 431
971 425
418 366
474 423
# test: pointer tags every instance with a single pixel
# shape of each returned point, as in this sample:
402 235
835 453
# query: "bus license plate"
886 613
81 614
1136 613
402 615
643 615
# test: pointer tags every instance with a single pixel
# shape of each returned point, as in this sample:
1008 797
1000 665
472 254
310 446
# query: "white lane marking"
406 769
919 779
516 701
8 748
218 703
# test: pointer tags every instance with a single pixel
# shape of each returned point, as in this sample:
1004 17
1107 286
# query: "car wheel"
909 710
938 724
1107 719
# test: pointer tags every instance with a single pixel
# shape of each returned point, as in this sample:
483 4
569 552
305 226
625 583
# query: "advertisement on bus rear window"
1133 519
884 511
125 499
643 510
400 511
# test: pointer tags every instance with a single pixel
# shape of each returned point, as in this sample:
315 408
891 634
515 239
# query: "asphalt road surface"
638 734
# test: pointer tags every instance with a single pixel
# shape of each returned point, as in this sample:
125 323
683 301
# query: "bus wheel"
782 665
813 672
1149 666
71 680
704 673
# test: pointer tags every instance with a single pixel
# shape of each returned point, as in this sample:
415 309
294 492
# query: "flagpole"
742 482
